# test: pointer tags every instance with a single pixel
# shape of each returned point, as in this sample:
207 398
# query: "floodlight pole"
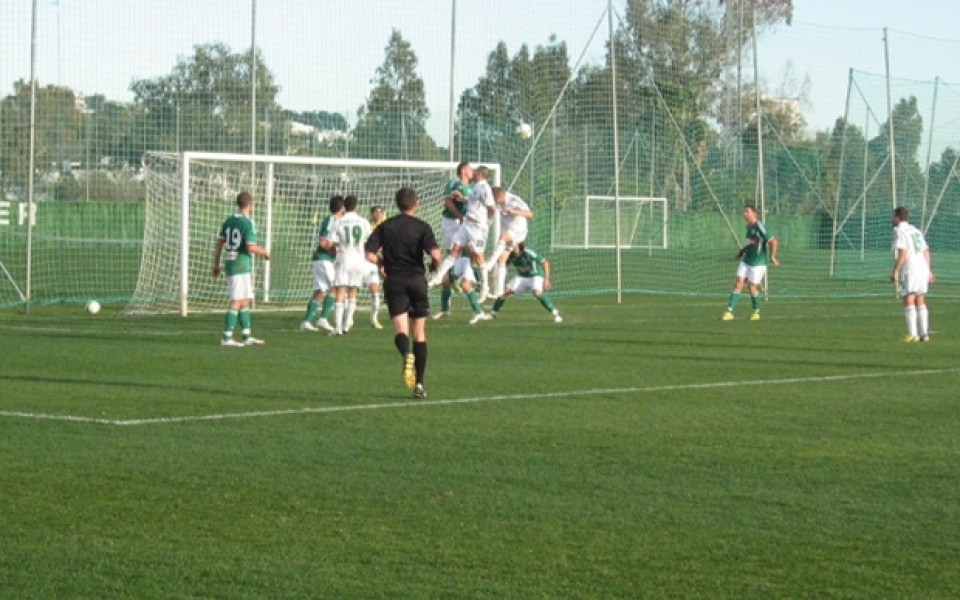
533 167
616 149
253 87
926 166
761 194
453 55
893 146
32 159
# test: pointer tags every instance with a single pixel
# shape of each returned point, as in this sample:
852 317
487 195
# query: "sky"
324 54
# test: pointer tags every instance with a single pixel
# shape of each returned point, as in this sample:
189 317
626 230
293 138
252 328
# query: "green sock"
311 310
328 301
546 302
472 297
230 322
445 294
755 300
498 304
732 302
245 321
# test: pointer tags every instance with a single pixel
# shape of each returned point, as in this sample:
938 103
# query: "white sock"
923 320
910 313
445 264
495 256
374 306
338 317
501 279
350 308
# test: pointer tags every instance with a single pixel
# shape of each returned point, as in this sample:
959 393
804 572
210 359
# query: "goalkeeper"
533 273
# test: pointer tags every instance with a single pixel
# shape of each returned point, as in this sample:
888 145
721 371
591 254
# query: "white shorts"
462 269
754 275
448 228
914 279
519 285
350 271
371 275
240 287
323 272
518 235
472 235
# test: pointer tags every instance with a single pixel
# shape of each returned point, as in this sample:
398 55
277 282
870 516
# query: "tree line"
688 126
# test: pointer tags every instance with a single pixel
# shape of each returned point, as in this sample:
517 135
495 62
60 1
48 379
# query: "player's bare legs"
498 261
923 319
477 260
452 255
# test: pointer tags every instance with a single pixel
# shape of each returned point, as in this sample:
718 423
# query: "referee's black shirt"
402 240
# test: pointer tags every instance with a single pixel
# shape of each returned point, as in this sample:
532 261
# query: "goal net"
642 224
189 195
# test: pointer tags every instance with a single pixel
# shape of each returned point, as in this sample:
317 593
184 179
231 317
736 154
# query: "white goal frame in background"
655 208
262 172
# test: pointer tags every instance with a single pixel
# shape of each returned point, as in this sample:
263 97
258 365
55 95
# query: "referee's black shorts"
407 294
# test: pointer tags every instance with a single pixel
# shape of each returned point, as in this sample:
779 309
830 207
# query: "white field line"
477 399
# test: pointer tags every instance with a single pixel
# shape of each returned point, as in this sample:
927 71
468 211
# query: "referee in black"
403 240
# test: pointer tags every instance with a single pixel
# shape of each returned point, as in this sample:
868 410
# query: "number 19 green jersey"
237 231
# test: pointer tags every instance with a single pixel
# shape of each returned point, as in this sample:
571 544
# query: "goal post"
642 225
190 194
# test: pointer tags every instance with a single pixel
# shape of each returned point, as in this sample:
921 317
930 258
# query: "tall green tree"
513 90
392 123
58 139
204 103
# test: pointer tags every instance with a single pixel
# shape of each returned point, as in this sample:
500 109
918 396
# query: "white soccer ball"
93 307
524 131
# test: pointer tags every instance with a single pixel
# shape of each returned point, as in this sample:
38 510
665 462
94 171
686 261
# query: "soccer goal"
190 194
642 223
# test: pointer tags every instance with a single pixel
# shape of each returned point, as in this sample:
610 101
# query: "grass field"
642 450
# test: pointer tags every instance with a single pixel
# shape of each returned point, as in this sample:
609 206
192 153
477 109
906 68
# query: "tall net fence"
917 171
717 105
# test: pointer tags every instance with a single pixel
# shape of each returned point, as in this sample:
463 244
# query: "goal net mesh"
298 196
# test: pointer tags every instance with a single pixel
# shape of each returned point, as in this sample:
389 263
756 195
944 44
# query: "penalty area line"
474 400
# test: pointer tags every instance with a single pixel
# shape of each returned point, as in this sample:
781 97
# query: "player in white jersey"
472 233
514 213
913 274
351 264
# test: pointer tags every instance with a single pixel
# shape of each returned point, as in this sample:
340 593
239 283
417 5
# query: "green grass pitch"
639 450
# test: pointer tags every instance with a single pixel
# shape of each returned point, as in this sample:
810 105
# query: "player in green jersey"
455 196
238 236
761 246
533 273
323 270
